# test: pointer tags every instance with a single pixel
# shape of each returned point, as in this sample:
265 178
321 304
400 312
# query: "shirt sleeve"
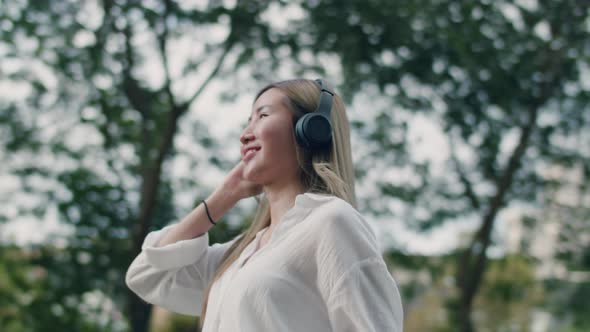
176 275
366 298
353 279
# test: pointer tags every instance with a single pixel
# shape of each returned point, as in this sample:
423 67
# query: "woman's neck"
281 200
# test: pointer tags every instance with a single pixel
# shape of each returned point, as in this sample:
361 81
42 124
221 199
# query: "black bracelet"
208 215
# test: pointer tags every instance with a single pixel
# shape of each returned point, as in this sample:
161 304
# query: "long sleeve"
176 275
366 298
359 292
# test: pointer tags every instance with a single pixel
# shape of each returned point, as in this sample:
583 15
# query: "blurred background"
470 131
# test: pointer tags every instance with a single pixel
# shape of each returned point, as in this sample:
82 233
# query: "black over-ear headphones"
313 131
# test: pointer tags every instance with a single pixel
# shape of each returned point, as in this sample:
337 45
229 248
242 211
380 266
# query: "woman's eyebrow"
258 110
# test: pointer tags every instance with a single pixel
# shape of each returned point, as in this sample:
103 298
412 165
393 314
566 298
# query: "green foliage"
509 295
15 285
465 56
509 279
25 283
568 301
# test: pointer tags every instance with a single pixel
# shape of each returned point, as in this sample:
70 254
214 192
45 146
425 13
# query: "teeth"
251 150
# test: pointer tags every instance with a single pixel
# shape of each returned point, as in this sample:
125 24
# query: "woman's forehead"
270 96
273 98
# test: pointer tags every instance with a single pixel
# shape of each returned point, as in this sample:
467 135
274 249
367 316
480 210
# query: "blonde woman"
308 262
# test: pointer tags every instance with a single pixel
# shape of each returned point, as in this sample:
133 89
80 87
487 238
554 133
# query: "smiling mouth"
250 153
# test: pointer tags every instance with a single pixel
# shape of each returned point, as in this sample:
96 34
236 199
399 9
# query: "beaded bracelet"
208 215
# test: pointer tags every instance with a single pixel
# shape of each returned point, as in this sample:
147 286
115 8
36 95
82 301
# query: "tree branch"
152 176
162 45
464 180
137 96
228 46
474 258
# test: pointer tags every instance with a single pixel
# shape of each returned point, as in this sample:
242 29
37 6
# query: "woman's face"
268 145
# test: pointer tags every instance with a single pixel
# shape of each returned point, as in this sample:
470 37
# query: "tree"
506 301
567 208
15 281
503 79
106 92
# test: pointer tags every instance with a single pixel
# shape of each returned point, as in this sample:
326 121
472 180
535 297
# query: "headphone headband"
326 95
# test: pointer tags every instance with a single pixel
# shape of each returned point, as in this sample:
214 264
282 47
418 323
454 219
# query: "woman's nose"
246 137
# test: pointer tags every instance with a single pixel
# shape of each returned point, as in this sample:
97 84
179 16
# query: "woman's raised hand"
237 187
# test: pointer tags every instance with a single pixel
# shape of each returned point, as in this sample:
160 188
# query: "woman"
308 262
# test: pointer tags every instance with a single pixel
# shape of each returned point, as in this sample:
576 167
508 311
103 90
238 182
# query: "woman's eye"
262 114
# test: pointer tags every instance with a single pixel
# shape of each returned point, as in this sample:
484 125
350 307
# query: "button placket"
233 270
286 220
254 251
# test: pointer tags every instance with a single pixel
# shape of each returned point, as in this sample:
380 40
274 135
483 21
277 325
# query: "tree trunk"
466 325
139 313
473 262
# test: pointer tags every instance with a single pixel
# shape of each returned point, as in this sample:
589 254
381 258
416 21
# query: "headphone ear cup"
299 134
313 131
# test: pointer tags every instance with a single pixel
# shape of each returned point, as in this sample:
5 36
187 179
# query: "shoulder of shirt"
331 211
335 222
329 204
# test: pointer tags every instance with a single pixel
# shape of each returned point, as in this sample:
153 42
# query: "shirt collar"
311 200
304 203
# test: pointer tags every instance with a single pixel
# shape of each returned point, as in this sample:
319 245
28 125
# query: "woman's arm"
197 222
174 276
359 292
176 263
366 298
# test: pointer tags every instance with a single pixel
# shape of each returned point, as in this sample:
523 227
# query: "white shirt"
320 271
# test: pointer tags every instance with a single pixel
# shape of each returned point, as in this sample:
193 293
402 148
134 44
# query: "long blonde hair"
328 172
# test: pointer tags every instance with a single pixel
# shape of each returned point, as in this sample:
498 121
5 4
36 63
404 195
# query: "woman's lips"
250 154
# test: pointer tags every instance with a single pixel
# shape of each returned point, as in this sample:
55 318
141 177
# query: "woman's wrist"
219 202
